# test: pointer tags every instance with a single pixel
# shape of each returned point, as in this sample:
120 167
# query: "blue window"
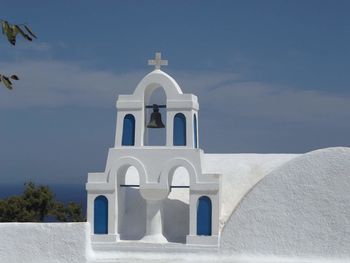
101 215
128 130
179 132
204 216
195 131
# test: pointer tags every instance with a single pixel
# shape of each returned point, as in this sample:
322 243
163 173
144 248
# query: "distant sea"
63 192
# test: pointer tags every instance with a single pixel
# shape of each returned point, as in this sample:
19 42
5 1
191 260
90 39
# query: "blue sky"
271 76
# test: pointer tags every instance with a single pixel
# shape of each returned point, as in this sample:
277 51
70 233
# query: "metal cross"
158 62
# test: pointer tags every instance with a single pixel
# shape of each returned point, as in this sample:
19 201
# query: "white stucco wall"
300 209
44 242
240 173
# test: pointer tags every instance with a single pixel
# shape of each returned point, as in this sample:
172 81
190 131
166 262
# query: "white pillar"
154 226
170 127
189 129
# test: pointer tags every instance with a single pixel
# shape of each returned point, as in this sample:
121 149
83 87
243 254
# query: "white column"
189 129
154 226
119 129
193 214
169 128
139 127
90 210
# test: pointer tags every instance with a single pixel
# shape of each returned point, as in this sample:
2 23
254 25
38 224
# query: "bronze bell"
156 118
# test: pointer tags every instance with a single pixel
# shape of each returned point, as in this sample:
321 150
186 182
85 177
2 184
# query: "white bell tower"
176 103
117 198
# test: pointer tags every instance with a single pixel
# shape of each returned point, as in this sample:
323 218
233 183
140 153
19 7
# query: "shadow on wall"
134 219
176 220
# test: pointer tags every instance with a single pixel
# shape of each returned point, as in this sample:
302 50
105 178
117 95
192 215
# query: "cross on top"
157 62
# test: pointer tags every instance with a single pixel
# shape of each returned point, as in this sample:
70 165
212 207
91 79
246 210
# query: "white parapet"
44 242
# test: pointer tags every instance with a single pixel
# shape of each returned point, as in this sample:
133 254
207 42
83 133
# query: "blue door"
204 216
101 215
179 132
128 130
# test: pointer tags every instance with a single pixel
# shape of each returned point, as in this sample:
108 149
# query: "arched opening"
131 205
176 207
128 138
101 215
204 211
195 135
179 132
157 136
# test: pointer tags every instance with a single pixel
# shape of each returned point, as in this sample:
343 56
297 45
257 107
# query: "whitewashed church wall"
301 209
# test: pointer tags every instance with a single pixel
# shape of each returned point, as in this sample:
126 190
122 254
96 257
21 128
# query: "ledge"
203 241
104 238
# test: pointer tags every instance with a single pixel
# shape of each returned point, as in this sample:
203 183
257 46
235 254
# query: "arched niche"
155 136
101 215
131 205
172 165
176 206
204 216
128 137
180 177
179 132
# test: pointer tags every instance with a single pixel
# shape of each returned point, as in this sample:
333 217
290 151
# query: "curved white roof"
155 79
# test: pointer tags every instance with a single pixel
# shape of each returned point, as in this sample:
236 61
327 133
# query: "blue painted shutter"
195 131
179 132
204 216
128 130
101 215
